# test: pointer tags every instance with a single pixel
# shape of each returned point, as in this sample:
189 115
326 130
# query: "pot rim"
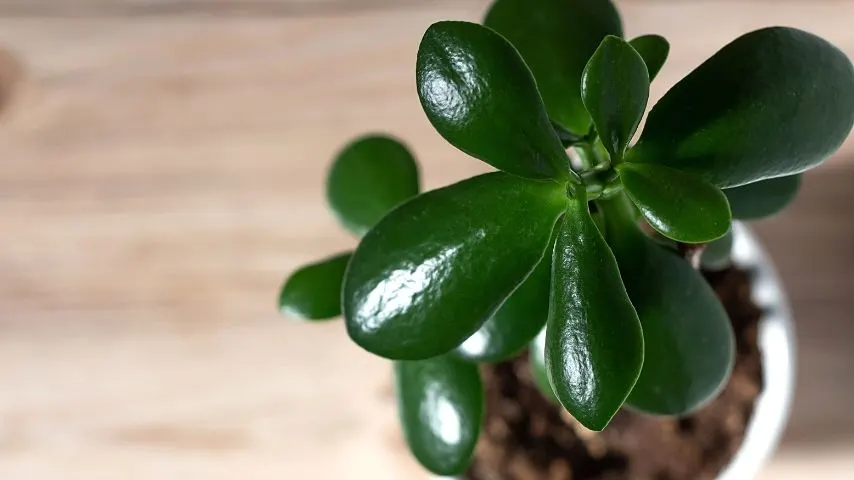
777 345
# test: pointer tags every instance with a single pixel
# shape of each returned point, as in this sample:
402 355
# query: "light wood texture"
159 176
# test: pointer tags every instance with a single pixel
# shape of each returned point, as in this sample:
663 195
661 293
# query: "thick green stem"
620 214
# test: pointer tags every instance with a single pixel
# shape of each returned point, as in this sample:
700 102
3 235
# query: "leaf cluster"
548 251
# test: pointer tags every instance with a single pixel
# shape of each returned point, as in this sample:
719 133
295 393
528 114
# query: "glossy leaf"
688 339
615 90
437 267
764 198
654 49
773 102
678 205
314 291
718 254
519 319
556 38
480 96
369 177
537 364
440 403
594 343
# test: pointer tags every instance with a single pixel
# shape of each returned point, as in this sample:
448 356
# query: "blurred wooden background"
161 166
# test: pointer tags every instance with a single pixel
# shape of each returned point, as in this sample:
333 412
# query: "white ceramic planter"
777 345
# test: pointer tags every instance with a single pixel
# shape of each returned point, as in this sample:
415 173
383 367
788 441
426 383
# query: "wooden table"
161 171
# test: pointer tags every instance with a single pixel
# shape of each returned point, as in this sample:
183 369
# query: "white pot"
777 345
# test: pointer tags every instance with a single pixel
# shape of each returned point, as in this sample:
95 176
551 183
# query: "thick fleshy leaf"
440 403
677 204
764 198
556 38
688 338
369 177
537 364
718 254
615 90
314 291
654 49
519 319
480 96
773 102
594 343
437 267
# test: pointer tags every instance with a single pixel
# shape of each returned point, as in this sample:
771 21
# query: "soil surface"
526 437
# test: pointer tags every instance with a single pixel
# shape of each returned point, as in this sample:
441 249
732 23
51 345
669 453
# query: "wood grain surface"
161 171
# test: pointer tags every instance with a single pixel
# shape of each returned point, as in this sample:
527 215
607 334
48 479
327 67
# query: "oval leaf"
314 291
764 198
369 177
481 97
556 38
615 90
718 254
654 49
594 343
537 364
440 403
437 267
774 102
678 205
518 320
688 338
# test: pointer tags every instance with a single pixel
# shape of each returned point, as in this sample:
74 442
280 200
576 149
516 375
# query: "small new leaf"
654 49
480 96
764 198
615 90
369 177
440 403
594 343
679 205
437 267
556 38
314 291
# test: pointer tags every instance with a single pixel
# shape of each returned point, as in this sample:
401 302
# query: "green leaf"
437 267
556 38
537 364
764 198
314 291
369 177
594 343
688 339
519 319
654 49
678 205
567 138
773 102
615 89
480 96
440 403
718 254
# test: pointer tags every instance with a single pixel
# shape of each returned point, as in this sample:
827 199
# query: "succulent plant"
549 250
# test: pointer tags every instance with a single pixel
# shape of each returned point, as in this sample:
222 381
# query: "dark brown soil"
526 437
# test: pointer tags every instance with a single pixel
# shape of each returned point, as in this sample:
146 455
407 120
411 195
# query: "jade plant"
571 249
